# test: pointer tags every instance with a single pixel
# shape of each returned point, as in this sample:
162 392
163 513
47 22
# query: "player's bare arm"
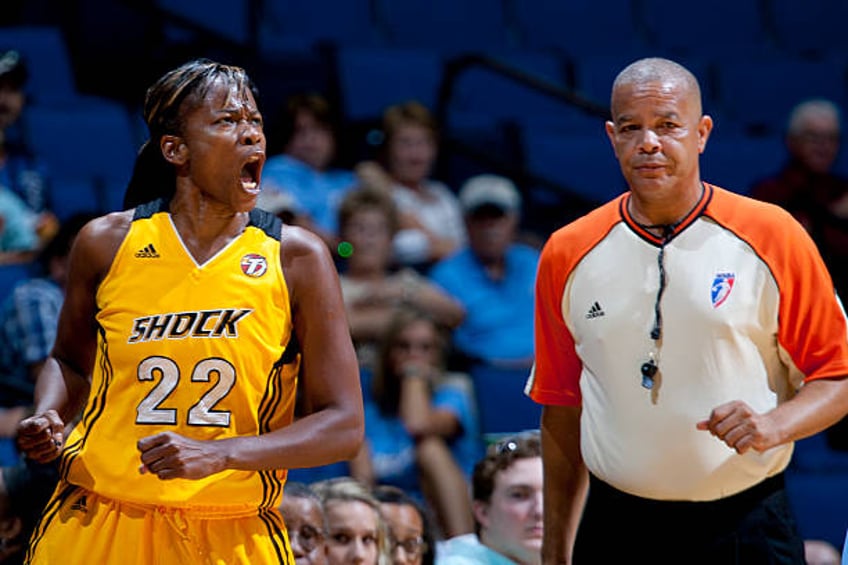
63 382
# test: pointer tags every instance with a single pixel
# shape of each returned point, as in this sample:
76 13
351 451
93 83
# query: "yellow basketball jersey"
188 348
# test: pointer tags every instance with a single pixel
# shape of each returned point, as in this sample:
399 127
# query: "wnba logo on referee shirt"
254 265
721 287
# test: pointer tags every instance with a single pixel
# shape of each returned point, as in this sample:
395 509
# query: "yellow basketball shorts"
79 526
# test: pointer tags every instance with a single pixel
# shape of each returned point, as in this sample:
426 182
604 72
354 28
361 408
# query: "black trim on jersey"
267 222
146 210
676 228
290 353
96 407
258 218
50 512
268 406
275 533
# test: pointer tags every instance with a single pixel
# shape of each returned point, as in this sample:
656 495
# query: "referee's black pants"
752 527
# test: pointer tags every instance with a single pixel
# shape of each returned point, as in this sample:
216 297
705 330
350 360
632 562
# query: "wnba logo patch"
721 287
254 265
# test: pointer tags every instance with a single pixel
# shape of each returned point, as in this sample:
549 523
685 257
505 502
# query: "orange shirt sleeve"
812 326
556 373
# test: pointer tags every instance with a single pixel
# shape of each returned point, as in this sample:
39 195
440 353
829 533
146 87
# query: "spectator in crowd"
25 218
686 336
372 287
808 187
305 171
507 493
356 531
430 217
411 535
29 318
305 523
421 421
492 277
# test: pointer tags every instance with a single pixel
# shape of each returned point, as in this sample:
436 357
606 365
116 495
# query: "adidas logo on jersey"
147 252
595 311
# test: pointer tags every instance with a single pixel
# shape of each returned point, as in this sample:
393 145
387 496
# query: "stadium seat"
483 91
503 406
230 20
736 162
451 26
85 143
579 29
728 27
585 164
760 93
373 78
809 28
817 486
51 76
288 23
69 196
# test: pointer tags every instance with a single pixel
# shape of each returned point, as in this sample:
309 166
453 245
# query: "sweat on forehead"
656 70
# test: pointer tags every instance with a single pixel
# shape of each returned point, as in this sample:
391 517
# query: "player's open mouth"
250 174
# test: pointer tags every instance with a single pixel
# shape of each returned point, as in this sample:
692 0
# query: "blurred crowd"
438 286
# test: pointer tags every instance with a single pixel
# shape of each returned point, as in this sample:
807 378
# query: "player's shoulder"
106 231
97 243
296 241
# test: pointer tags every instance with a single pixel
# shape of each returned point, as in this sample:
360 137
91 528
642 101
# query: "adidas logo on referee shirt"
147 252
595 311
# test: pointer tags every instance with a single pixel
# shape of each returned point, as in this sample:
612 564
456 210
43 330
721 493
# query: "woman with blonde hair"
356 531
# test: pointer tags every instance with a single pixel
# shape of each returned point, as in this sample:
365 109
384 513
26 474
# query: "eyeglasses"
308 536
413 547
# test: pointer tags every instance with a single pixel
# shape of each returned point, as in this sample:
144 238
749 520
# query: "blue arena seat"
68 196
451 26
736 162
481 91
583 163
580 29
307 22
373 78
89 142
51 75
817 486
230 20
503 406
760 93
728 27
812 27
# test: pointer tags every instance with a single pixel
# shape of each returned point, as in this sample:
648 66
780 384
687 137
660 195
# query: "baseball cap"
491 190
12 68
